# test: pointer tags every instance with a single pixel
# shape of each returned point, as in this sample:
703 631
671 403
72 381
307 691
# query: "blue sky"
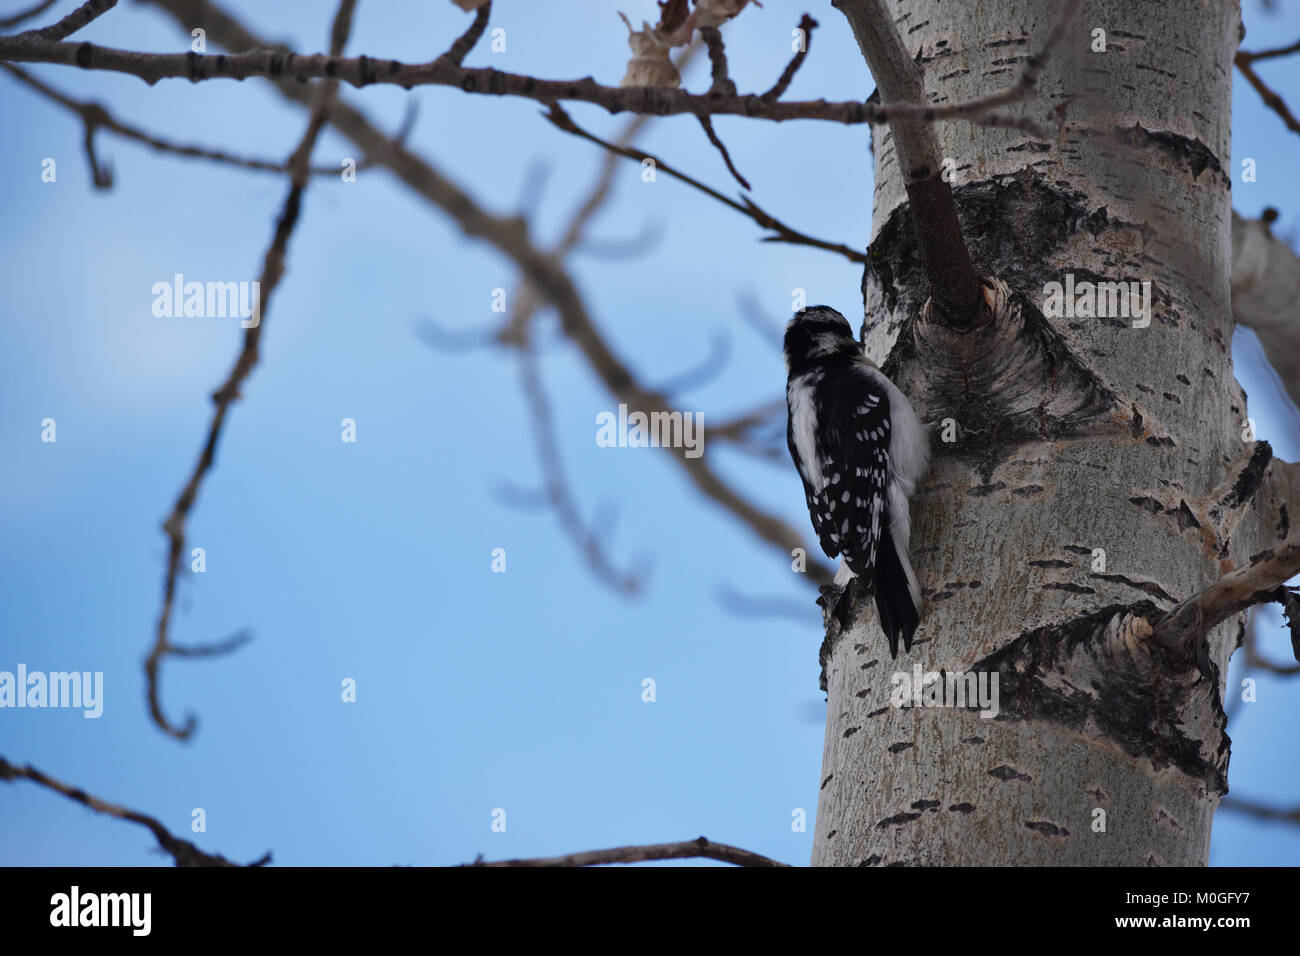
372 560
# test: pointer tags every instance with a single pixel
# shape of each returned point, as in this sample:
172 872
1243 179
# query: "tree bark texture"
1097 472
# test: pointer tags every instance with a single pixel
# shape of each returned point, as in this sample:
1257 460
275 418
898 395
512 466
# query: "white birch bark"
1076 436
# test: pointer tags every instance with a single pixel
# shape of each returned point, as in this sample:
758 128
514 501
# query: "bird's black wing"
852 508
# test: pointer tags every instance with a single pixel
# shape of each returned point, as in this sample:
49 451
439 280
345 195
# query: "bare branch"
182 851
542 271
735 427
760 433
707 124
1271 99
1258 582
518 333
74 21
722 84
509 236
687 849
783 233
1291 610
185 853
272 271
1261 810
364 71
460 49
1269 54
557 487
95 117
807 24
215 649
101 175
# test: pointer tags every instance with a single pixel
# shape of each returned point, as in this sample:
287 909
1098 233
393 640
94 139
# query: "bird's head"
816 334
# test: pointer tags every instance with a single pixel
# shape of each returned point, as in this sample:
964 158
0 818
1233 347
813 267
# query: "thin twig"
95 117
1259 582
687 849
718 144
722 84
1250 57
272 271
784 233
101 175
182 851
1261 810
1291 609
557 487
466 41
734 427
1271 99
360 71
216 649
519 334
807 24
744 432
74 21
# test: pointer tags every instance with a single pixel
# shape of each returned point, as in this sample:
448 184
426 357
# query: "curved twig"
272 272
807 24
183 852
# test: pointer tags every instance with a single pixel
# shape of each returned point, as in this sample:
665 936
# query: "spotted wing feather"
853 501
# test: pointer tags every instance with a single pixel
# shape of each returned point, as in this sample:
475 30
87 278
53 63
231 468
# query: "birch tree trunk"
1099 473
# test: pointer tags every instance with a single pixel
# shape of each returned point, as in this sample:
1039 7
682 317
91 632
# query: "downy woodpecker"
860 450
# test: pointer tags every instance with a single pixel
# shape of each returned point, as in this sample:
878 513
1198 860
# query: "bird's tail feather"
898 598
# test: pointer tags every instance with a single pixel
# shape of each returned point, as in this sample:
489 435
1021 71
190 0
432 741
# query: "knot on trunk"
1102 676
1010 379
